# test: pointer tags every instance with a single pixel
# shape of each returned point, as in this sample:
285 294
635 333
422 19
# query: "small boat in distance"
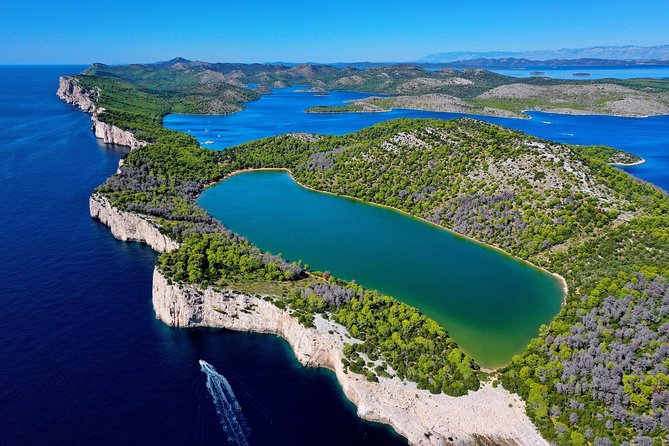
209 141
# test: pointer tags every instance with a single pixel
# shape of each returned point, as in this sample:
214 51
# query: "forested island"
598 374
472 90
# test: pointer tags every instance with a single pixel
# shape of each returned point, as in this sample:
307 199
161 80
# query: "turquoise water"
490 303
283 112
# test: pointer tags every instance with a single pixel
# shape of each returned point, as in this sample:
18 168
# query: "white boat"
209 142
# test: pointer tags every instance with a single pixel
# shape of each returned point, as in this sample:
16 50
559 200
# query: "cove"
283 112
490 303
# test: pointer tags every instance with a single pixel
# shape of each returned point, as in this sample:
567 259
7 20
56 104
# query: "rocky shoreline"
129 227
489 416
70 91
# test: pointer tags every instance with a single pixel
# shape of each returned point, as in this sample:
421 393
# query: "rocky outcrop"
262 89
488 416
71 91
111 134
582 99
129 227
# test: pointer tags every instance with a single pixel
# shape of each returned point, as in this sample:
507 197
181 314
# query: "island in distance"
596 373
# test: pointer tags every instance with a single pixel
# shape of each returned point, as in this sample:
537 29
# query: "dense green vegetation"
161 182
396 339
413 347
596 375
599 371
197 84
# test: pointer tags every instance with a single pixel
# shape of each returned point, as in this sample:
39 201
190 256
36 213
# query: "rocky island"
560 207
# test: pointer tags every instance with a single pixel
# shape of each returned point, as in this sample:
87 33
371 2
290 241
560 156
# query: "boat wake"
228 409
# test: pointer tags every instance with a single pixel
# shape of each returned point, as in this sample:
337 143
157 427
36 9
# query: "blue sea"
84 361
283 112
82 358
646 71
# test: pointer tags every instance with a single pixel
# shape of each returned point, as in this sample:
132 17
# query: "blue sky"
122 31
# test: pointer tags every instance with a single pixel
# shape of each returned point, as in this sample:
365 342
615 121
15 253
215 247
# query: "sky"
123 31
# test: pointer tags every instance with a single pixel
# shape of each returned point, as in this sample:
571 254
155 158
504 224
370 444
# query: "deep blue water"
82 358
283 112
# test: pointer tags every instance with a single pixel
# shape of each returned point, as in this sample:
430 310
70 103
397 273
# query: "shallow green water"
491 304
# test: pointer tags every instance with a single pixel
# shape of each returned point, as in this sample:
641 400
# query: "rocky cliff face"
71 91
113 135
489 416
127 226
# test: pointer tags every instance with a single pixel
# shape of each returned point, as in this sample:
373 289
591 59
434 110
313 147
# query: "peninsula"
587 377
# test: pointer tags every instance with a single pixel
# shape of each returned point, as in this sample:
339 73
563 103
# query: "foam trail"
228 409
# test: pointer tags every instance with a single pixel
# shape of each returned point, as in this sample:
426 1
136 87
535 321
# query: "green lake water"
490 303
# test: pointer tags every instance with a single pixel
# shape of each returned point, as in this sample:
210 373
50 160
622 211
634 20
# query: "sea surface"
650 71
283 112
84 361
82 358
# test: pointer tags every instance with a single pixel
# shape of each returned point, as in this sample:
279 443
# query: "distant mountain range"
618 53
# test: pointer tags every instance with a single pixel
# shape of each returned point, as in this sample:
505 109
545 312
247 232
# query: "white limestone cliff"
71 91
489 416
129 227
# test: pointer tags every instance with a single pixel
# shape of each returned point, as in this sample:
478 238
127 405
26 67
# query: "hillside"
558 206
216 88
136 97
501 187
597 373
